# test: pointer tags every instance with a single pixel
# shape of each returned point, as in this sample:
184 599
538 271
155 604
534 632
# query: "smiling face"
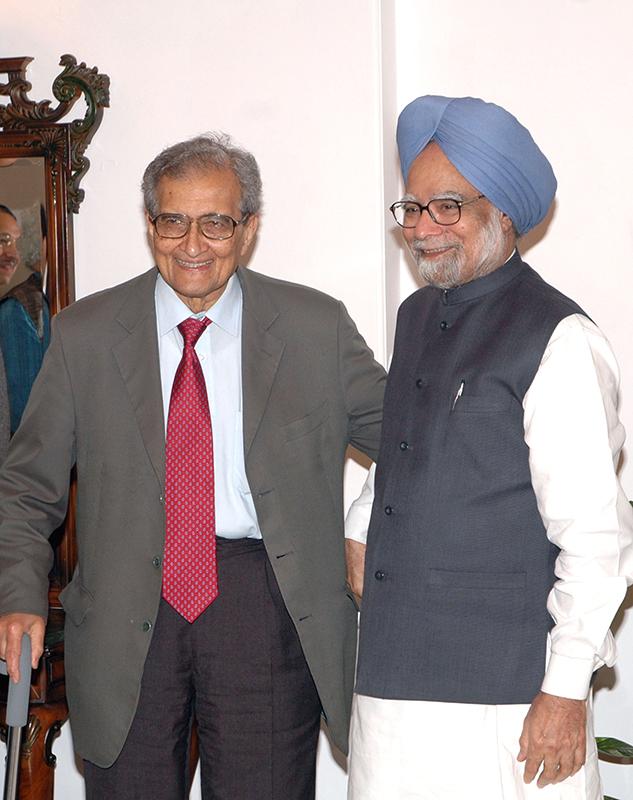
9 257
197 268
451 255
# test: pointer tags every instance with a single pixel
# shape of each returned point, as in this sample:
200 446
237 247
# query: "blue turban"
488 146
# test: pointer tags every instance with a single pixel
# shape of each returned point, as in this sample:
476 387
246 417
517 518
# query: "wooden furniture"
36 143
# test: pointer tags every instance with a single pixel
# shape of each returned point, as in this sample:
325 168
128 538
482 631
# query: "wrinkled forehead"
210 187
432 174
194 174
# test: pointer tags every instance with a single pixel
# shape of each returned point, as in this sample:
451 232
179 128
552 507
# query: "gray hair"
208 151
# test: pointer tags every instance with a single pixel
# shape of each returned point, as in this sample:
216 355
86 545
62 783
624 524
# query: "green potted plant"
615 751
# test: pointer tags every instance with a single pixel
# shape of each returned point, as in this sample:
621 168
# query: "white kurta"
421 749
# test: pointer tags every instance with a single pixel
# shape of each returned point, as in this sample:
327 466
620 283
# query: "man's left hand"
554 736
355 560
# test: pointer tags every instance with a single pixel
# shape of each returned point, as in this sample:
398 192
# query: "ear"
506 224
250 229
151 230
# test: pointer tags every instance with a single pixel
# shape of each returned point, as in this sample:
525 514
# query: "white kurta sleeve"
357 519
575 437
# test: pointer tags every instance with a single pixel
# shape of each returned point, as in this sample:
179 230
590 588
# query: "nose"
194 242
426 226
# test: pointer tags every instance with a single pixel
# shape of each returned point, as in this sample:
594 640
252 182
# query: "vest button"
379 575
146 626
388 510
443 325
156 562
418 383
404 445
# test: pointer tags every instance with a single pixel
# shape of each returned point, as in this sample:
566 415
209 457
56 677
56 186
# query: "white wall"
565 69
314 93
297 83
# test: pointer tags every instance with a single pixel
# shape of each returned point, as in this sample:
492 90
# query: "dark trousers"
241 670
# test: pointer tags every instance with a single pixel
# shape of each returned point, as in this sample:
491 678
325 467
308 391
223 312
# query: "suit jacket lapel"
137 357
261 351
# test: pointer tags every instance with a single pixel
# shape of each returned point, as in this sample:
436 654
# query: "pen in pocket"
460 391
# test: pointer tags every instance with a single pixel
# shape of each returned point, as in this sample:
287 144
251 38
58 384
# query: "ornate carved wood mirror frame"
39 151
33 130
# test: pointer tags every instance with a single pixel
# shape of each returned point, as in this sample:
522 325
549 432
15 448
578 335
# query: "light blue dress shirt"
219 350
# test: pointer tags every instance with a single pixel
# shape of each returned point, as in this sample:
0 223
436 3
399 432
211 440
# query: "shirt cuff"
568 677
357 522
359 514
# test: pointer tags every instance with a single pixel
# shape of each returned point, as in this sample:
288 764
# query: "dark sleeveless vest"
458 565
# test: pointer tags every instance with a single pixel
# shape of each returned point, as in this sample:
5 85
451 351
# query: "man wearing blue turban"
500 542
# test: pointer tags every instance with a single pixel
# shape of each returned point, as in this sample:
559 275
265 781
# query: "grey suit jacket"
311 387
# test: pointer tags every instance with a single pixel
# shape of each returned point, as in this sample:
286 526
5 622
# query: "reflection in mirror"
42 163
24 311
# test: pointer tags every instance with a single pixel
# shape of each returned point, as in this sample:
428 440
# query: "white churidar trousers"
420 750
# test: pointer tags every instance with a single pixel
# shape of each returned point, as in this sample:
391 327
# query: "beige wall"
313 89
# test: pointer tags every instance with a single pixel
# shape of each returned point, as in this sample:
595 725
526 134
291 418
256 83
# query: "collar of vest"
481 286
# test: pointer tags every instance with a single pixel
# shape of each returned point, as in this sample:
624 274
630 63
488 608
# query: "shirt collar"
225 313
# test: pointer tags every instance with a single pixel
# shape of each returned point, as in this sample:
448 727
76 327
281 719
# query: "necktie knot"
192 329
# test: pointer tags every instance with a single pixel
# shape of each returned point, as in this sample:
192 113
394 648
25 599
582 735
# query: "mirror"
42 163
24 312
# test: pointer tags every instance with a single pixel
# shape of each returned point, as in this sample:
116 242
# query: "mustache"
8 261
432 242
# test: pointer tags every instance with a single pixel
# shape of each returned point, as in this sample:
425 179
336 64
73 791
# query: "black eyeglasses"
211 226
442 210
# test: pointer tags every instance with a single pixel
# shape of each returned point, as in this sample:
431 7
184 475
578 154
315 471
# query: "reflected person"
4 411
24 320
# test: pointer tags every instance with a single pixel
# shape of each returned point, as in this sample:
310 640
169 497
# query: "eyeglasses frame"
190 220
459 203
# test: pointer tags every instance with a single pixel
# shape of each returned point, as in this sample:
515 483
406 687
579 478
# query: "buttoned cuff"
568 677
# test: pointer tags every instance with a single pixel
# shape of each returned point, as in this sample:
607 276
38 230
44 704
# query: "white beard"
448 270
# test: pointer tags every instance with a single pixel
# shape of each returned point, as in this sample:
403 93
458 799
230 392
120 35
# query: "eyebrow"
448 195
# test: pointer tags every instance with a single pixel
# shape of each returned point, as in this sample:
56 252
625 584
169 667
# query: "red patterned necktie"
190 578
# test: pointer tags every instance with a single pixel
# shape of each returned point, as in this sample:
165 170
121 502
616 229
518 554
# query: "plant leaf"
614 747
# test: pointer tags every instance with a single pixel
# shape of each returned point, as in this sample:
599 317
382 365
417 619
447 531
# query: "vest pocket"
459 579
466 404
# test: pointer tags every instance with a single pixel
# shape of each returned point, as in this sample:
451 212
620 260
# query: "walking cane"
17 714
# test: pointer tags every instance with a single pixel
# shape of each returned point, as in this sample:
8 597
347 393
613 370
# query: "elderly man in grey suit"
207 410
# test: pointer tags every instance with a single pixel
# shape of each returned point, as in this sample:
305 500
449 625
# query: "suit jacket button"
404 445
379 575
388 510
419 383
443 325
146 626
